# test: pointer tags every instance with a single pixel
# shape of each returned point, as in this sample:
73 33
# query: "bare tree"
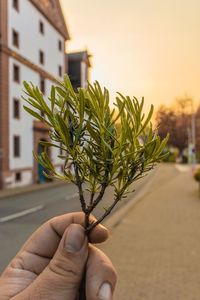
175 120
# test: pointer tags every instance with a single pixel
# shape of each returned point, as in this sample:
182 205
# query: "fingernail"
103 227
105 292
75 238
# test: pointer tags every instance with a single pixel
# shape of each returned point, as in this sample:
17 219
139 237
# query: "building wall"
4 91
54 151
23 127
26 23
84 74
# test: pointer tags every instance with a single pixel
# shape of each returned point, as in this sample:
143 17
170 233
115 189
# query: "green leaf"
32 103
93 133
35 114
63 130
53 95
28 89
147 119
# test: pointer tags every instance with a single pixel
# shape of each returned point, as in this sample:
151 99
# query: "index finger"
44 241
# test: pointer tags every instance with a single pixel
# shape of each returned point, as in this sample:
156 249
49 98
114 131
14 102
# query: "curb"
117 217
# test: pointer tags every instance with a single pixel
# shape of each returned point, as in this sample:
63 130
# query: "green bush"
172 155
197 175
198 157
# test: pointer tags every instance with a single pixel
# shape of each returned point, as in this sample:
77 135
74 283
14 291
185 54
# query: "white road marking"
71 196
30 210
21 214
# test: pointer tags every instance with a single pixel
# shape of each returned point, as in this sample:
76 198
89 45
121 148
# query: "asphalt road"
50 202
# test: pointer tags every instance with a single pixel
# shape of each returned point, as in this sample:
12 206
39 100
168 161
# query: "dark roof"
80 56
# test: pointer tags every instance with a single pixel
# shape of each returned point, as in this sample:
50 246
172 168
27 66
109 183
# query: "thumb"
62 277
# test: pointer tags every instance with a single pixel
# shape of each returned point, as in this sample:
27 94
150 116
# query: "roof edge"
65 32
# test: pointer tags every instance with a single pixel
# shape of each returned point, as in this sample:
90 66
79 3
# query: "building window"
42 85
16 109
16 73
41 57
18 176
16 4
15 38
59 45
41 27
60 71
16 142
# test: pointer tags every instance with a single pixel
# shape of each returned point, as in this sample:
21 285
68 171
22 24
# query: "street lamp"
193 129
192 136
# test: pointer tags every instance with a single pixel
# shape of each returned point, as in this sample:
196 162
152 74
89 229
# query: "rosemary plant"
82 124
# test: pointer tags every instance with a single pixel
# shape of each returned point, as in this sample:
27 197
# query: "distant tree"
175 120
166 123
183 105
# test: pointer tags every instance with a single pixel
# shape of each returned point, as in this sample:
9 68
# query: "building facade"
79 64
32 48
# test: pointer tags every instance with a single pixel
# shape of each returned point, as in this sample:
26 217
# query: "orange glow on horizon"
140 48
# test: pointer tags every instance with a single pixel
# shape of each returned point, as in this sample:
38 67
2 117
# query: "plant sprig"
82 124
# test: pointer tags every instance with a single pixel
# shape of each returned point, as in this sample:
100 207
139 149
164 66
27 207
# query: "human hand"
51 264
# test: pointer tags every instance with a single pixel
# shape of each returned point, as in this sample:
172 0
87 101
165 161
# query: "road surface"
44 204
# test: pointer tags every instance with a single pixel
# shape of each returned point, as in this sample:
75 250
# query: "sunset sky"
147 48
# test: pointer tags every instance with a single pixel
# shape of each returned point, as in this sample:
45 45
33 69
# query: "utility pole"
193 133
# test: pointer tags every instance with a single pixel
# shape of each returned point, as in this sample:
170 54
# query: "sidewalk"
11 192
156 246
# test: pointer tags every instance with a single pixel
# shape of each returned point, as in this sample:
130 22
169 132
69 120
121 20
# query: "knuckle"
18 262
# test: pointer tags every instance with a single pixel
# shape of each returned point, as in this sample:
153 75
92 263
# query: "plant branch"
92 197
107 212
100 196
104 149
80 188
102 191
